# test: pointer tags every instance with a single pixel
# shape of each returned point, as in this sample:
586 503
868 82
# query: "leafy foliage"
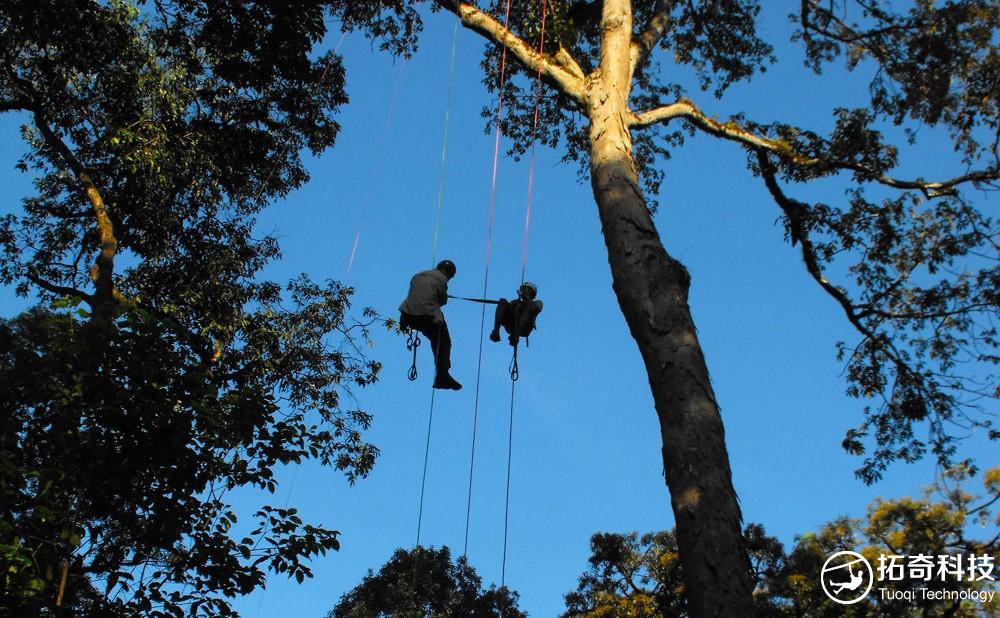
913 262
715 42
640 576
158 371
119 449
425 583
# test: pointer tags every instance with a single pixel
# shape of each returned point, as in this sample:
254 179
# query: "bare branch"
793 210
643 44
60 289
13 105
564 72
938 188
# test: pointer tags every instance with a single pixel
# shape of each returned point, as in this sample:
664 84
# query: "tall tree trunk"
652 290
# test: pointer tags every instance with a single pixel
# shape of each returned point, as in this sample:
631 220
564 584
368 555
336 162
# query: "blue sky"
586 449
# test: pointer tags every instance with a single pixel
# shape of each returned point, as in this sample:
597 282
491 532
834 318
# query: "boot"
443 380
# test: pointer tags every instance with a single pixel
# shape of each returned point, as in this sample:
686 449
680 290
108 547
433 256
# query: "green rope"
444 142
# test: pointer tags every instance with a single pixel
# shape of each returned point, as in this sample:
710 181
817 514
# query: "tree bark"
652 290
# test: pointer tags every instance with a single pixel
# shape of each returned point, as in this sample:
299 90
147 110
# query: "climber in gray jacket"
421 311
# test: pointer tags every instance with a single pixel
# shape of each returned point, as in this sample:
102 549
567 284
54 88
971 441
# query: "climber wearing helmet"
517 316
421 311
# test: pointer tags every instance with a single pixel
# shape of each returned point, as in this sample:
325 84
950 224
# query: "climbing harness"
412 343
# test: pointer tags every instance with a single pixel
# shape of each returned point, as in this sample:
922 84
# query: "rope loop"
512 368
412 343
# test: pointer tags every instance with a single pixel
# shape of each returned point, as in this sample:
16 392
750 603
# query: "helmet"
527 285
447 267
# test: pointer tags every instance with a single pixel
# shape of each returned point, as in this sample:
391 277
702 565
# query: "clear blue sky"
586 450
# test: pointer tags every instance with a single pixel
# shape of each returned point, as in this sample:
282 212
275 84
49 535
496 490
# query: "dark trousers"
437 335
516 317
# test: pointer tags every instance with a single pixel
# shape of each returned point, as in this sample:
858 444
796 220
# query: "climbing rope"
513 368
412 374
444 140
380 148
498 132
506 501
423 478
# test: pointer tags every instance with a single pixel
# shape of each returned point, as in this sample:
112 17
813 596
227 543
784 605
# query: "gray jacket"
428 292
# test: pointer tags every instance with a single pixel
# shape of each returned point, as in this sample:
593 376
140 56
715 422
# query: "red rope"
524 264
486 273
373 182
534 139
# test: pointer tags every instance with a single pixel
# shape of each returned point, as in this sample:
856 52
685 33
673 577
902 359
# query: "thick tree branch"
55 143
564 72
60 289
616 43
734 132
13 105
687 110
103 269
565 59
654 31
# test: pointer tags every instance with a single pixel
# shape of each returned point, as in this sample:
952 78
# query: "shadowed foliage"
425 583
158 372
641 577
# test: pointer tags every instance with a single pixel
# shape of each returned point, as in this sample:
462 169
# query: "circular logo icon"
847 577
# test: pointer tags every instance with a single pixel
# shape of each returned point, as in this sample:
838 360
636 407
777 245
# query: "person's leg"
426 326
526 313
501 318
516 327
440 339
443 360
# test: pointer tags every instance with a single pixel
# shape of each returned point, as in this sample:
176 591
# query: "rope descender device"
412 343
512 368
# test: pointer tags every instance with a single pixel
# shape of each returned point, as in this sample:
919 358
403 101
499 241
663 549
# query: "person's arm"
442 293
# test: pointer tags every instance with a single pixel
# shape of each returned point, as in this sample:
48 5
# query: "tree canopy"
911 260
158 371
633 575
158 130
425 583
